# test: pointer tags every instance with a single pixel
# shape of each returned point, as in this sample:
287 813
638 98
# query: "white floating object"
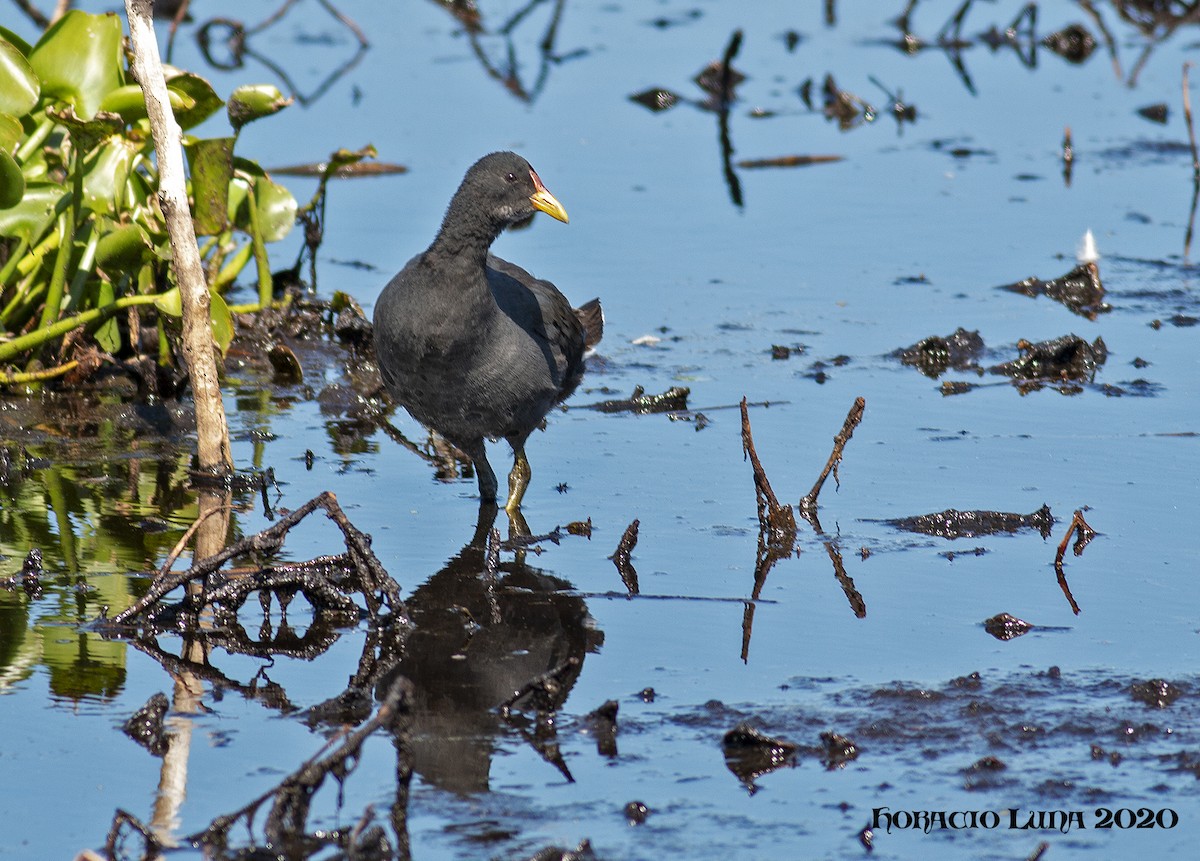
646 341
1086 252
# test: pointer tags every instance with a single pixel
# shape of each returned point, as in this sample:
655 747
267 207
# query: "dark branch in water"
1083 536
808 505
547 689
774 519
1187 113
286 822
620 558
360 569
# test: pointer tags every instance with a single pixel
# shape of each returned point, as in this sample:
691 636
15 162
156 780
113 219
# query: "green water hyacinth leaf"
107 171
19 85
11 132
170 303
108 333
254 102
222 322
12 182
78 60
16 41
276 209
211 163
121 249
204 99
130 103
87 133
32 216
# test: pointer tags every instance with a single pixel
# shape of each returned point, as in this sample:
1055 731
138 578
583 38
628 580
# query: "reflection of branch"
1187 113
857 604
724 100
286 822
508 76
236 42
1086 6
808 505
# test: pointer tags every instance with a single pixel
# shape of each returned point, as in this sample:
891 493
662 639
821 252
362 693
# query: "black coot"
474 346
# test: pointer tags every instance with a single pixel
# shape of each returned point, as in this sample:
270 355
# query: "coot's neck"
466 233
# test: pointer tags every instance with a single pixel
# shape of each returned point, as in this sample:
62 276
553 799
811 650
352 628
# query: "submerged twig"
724 100
808 504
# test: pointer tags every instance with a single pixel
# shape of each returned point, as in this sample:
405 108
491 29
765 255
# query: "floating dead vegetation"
602 724
146 725
788 161
1157 113
673 399
1005 626
1079 290
953 524
1065 364
750 753
934 355
1068 357
1156 693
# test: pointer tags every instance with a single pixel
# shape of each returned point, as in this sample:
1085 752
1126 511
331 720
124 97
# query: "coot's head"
506 189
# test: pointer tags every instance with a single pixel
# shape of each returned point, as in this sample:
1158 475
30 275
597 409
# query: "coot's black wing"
541 310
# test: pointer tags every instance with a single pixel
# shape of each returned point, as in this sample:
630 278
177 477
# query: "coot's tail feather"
591 316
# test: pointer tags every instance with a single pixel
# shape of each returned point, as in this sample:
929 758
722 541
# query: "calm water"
907 236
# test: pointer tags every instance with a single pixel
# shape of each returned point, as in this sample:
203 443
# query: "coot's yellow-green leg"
518 479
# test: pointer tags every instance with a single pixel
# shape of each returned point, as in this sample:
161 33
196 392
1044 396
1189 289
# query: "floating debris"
1005 626
1156 693
1079 290
954 524
1066 358
636 812
1157 113
646 341
933 355
837 750
1074 43
849 110
789 161
673 399
751 753
656 99
146 725
603 724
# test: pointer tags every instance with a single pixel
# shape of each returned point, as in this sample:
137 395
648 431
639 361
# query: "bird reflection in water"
478 639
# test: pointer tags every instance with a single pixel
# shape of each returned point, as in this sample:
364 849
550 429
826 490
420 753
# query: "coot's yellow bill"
545 201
